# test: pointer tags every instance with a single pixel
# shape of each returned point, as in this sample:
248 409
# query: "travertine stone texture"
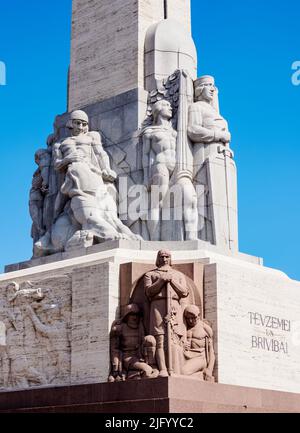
205 247
253 310
62 336
77 193
108 45
94 305
255 316
168 47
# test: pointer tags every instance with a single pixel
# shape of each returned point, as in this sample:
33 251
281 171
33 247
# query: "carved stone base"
253 310
163 395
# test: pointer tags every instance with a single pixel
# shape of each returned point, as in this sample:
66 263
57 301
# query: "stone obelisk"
107 49
93 306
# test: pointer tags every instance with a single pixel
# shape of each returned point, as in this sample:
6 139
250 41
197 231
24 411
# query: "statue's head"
205 88
162 108
132 316
41 153
78 122
12 291
164 258
191 315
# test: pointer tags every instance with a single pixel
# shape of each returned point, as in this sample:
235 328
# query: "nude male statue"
163 180
199 351
159 160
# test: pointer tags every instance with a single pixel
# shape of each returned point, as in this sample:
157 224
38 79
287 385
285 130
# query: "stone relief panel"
178 340
35 333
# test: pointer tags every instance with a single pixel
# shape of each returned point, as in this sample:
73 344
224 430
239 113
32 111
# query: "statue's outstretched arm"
39 326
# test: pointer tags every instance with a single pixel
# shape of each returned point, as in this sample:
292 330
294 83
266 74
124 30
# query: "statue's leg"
124 231
160 356
142 366
159 189
194 365
190 211
102 230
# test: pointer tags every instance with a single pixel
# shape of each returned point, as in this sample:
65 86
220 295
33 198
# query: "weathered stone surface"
137 327
233 288
168 47
36 318
107 52
94 306
255 316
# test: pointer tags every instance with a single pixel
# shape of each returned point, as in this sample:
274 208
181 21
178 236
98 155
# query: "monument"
136 298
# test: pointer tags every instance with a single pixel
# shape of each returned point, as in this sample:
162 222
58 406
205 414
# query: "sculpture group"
185 170
163 334
187 173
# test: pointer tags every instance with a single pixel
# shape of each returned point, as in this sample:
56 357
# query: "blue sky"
248 46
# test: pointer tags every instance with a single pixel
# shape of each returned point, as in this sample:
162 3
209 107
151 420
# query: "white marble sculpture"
188 176
159 163
214 168
167 174
82 193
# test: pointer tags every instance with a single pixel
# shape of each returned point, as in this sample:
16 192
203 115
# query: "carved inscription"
270 332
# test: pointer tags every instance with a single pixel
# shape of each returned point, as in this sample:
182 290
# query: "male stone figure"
199 351
214 168
85 210
166 290
159 161
37 193
130 349
163 180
